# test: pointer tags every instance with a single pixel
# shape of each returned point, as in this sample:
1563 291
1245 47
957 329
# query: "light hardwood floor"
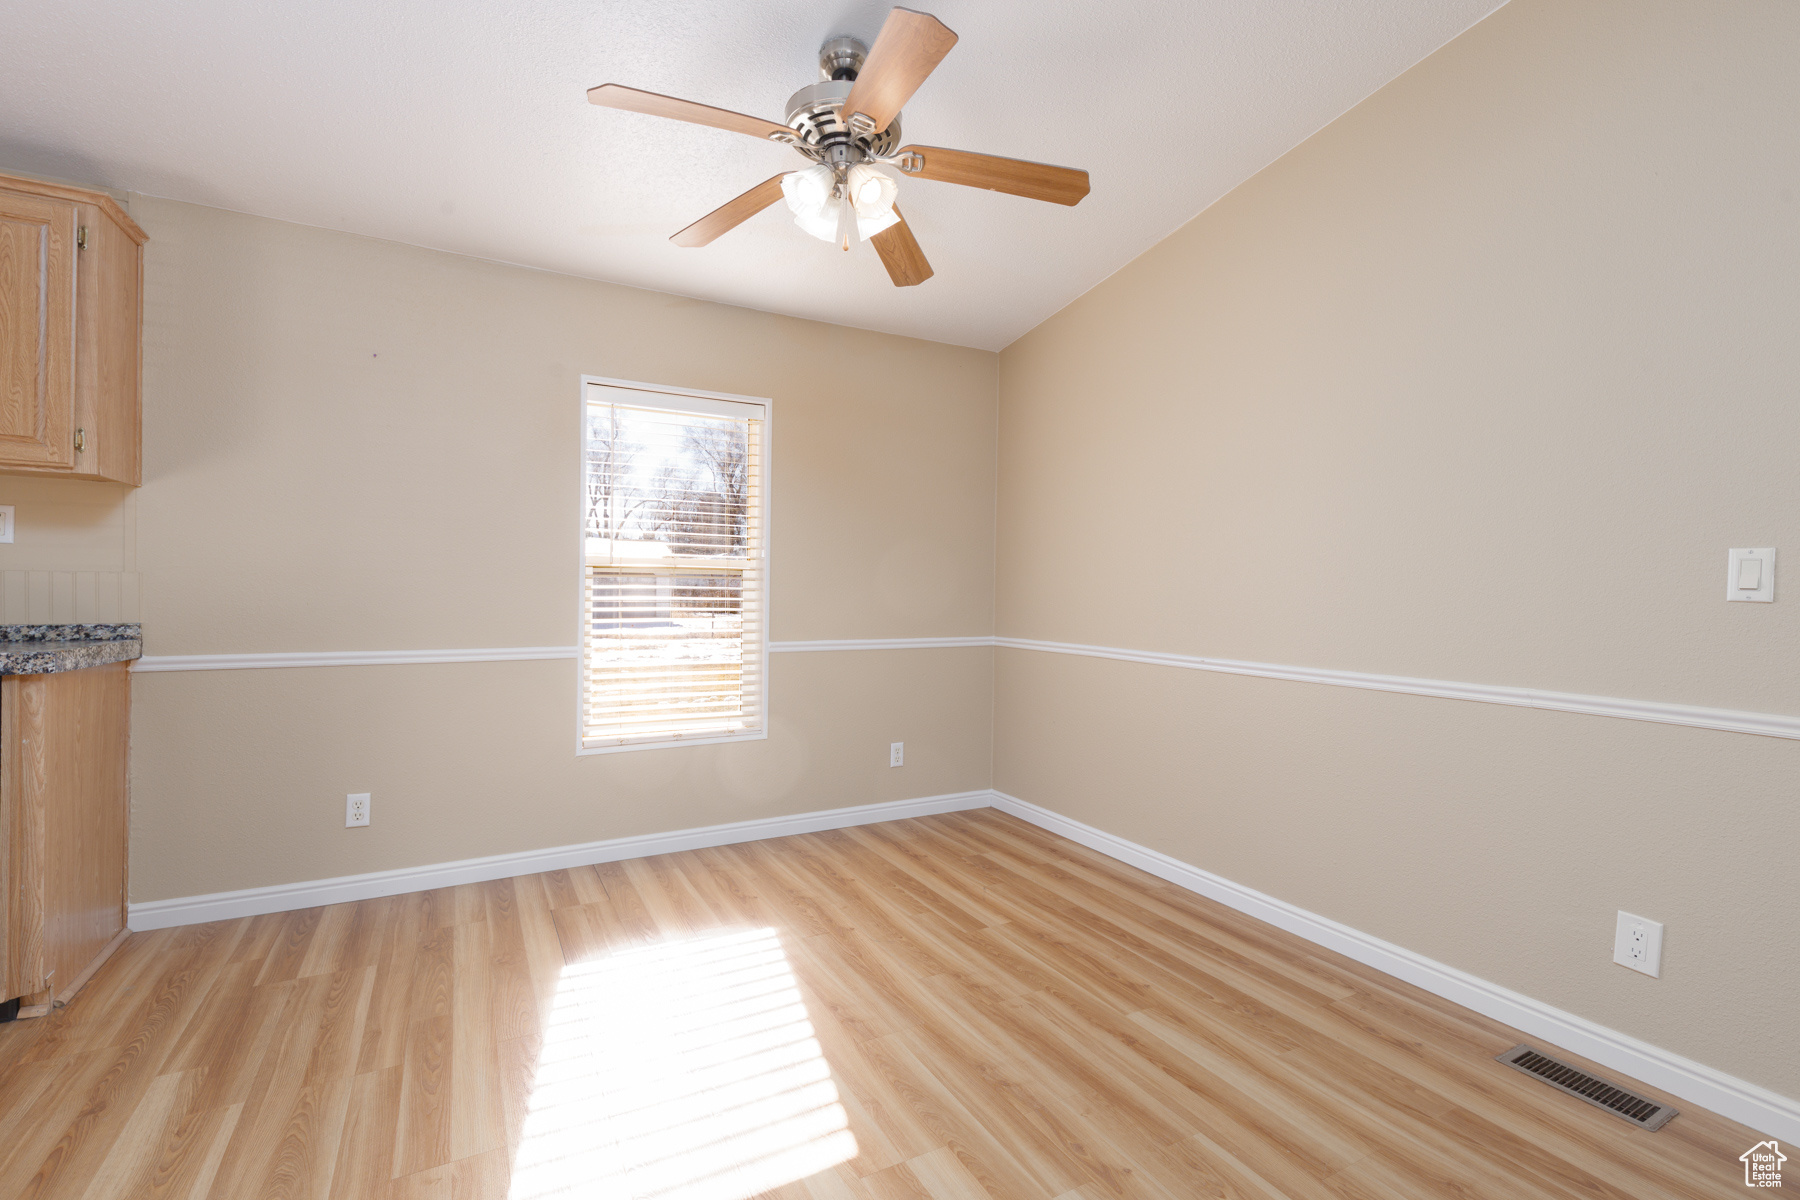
986 1009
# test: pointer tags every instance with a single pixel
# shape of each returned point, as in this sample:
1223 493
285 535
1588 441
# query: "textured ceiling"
464 126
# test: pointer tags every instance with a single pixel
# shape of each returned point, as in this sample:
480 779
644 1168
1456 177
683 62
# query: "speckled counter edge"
47 649
71 633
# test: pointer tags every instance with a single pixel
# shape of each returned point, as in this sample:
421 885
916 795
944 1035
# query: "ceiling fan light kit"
846 123
852 211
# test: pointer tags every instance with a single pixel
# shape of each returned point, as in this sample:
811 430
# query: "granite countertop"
46 649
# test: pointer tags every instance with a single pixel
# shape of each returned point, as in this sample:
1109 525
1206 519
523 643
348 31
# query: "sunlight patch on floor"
681 1071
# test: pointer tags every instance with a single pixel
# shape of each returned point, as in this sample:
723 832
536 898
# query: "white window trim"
768 419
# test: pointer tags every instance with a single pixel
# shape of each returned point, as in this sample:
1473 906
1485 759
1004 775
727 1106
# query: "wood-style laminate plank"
257 937
477 1123
58 1087
1000 1169
302 1162
561 890
619 897
900 1182
292 942
396 938
139 1044
543 954
365 1158
674 907
518 1070
229 1038
513 989
189 1172
423 1139
331 942
999 1014
288 1131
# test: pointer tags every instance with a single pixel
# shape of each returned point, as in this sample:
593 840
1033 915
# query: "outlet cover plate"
897 754
6 522
356 809
1637 943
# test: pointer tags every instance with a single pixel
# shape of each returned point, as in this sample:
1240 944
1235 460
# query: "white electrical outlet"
356 809
897 754
1637 943
6 522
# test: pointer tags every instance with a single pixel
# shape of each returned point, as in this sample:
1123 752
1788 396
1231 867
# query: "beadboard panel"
68 597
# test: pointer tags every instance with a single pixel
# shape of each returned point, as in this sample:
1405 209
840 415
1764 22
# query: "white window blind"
674 573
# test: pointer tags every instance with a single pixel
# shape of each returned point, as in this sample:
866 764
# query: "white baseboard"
1756 1106
286 897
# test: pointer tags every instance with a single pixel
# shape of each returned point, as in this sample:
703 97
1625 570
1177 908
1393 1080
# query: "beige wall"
1478 384
239 777
356 445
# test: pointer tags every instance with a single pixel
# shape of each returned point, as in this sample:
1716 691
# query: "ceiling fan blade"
731 214
909 48
901 255
617 95
1035 181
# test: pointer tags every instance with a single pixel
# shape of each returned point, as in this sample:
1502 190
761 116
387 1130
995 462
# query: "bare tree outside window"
719 497
693 496
611 457
700 501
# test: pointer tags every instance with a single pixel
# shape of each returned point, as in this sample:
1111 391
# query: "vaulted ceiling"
463 125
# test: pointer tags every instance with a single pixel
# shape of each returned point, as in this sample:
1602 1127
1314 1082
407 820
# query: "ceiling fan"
849 126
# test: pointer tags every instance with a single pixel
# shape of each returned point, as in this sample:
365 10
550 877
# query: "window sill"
757 735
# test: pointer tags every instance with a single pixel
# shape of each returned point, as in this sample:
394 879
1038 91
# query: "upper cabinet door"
37 330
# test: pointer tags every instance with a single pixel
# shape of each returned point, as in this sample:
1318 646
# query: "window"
674 573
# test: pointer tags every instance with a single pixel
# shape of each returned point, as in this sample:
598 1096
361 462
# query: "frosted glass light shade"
872 191
808 190
809 196
821 223
867 228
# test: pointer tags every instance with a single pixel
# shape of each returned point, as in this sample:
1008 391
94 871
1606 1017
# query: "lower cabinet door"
63 747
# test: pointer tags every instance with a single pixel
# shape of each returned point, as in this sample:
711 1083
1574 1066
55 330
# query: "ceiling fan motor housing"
815 112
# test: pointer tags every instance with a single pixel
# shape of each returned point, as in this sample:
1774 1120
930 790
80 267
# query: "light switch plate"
1736 573
6 522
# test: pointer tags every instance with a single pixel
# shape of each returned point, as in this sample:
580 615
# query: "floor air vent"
1646 1114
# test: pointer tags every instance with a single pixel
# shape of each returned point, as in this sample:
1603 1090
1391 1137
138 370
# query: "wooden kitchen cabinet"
64 741
71 317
